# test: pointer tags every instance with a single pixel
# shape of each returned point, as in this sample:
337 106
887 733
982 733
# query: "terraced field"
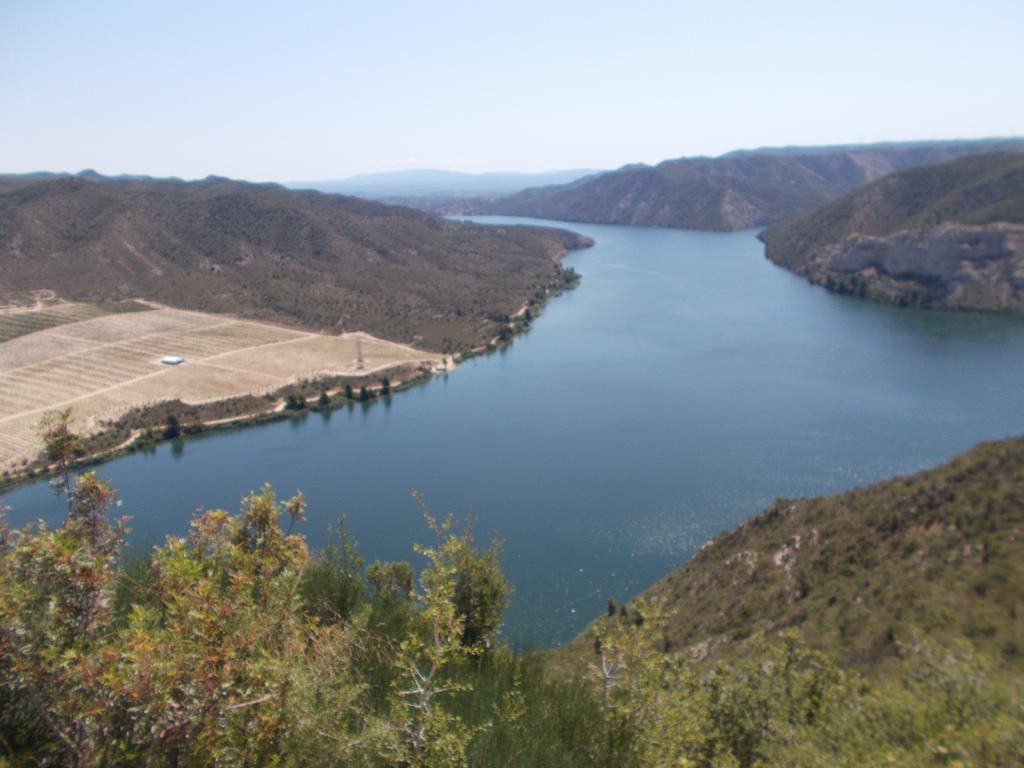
101 363
15 323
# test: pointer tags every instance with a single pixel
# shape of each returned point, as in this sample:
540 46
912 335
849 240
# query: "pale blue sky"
313 90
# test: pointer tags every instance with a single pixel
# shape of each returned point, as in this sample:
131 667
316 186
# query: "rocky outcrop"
949 235
954 266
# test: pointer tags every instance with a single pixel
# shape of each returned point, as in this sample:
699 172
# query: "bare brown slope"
735 191
323 262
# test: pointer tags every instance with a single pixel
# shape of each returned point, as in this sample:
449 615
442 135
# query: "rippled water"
685 384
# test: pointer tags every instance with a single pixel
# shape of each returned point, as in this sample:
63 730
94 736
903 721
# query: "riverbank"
684 386
143 428
102 361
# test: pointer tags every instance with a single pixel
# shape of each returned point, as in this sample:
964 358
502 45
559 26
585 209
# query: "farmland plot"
100 363
15 323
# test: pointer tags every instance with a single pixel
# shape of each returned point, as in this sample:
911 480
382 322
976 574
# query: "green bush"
233 645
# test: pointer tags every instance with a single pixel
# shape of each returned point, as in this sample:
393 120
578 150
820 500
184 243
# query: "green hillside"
939 554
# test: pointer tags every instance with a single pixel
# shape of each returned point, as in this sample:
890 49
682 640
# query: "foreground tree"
55 614
229 653
60 446
232 645
424 731
481 589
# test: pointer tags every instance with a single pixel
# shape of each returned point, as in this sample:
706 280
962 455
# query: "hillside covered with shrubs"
233 644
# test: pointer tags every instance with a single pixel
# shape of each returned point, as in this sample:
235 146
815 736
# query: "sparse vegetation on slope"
939 554
735 191
260 251
949 235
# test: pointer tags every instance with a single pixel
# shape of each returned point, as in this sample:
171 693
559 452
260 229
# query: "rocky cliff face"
949 235
953 266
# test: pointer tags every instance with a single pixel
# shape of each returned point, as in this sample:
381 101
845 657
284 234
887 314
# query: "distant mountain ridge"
738 190
323 262
949 235
433 185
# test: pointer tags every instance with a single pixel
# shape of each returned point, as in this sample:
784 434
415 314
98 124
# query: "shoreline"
146 437
143 439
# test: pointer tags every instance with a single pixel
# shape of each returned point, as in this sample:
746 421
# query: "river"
680 388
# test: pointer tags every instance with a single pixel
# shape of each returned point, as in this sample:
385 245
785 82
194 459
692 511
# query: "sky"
298 90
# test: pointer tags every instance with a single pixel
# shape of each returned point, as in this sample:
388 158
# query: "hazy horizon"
333 90
355 177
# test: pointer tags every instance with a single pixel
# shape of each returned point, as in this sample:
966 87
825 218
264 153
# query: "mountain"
949 235
937 554
323 262
742 189
433 186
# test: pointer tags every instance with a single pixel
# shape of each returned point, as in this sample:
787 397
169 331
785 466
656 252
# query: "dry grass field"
101 362
17 321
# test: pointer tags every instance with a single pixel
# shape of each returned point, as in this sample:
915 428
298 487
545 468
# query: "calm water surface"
685 384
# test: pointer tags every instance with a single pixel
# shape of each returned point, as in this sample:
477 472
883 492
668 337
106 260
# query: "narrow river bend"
685 384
